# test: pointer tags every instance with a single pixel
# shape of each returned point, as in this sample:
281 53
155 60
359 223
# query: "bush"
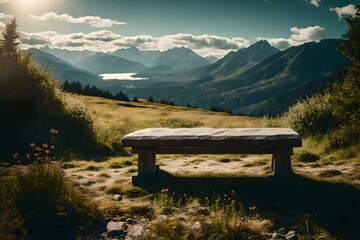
335 114
32 103
311 115
49 206
304 156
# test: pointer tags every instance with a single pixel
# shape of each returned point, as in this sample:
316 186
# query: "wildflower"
38 149
52 147
53 131
252 208
164 190
32 145
45 145
28 156
47 151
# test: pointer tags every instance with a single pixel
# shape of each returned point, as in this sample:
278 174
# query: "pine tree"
9 44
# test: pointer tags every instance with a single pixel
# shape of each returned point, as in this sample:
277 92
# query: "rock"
129 221
117 197
291 235
136 231
116 229
278 236
197 225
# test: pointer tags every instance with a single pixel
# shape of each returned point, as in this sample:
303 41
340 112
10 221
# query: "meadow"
213 196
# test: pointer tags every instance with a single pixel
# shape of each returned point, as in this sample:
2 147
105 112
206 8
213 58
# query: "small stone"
136 231
278 236
116 229
117 197
197 225
291 235
129 221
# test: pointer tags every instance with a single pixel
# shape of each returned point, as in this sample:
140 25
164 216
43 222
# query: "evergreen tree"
9 43
150 99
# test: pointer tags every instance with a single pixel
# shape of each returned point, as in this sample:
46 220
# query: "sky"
208 27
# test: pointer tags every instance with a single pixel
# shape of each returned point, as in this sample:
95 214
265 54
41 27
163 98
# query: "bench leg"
281 162
146 162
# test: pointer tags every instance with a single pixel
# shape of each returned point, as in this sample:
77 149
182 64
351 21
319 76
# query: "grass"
305 156
188 209
43 203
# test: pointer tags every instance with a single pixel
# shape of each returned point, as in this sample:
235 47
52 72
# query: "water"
121 76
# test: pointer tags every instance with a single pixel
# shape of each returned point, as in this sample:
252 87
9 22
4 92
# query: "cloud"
92 21
316 3
105 41
2 26
349 10
299 36
5 16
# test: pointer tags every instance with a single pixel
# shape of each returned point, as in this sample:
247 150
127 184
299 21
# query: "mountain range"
62 70
258 80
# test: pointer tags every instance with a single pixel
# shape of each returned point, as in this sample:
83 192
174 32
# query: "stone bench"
151 141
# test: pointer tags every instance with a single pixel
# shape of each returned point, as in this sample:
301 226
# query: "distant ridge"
259 80
136 55
103 63
180 58
61 69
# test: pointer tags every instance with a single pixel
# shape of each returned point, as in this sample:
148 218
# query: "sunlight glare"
30 4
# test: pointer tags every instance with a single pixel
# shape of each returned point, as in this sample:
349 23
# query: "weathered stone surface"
116 229
291 235
117 197
213 137
136 231
278 236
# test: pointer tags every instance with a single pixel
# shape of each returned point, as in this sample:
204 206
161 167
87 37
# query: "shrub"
311 115
305 156
50 206
32 103
335 113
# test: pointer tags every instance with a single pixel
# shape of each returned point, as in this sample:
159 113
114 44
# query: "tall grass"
32 103
46 206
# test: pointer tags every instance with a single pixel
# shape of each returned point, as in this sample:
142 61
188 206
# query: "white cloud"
349 10
299 36
5 16
2 26
93 21
316 3
105 41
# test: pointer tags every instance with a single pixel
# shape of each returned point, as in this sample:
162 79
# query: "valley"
258 80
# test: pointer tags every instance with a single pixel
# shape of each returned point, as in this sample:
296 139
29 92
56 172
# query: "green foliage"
9 43
305 156
32 103
45 204
335 113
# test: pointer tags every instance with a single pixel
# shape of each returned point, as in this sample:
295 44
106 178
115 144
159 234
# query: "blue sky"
209 27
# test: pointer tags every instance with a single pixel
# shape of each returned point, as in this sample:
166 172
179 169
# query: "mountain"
180 58
235 63
103 63
157 69
61 69
211 59
69 56
135 55
247 83
279 76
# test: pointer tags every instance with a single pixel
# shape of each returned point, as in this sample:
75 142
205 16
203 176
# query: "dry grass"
103 180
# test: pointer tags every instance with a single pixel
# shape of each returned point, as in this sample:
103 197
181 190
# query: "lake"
121 76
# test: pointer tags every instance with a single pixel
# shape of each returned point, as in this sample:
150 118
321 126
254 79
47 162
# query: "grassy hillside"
210 196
